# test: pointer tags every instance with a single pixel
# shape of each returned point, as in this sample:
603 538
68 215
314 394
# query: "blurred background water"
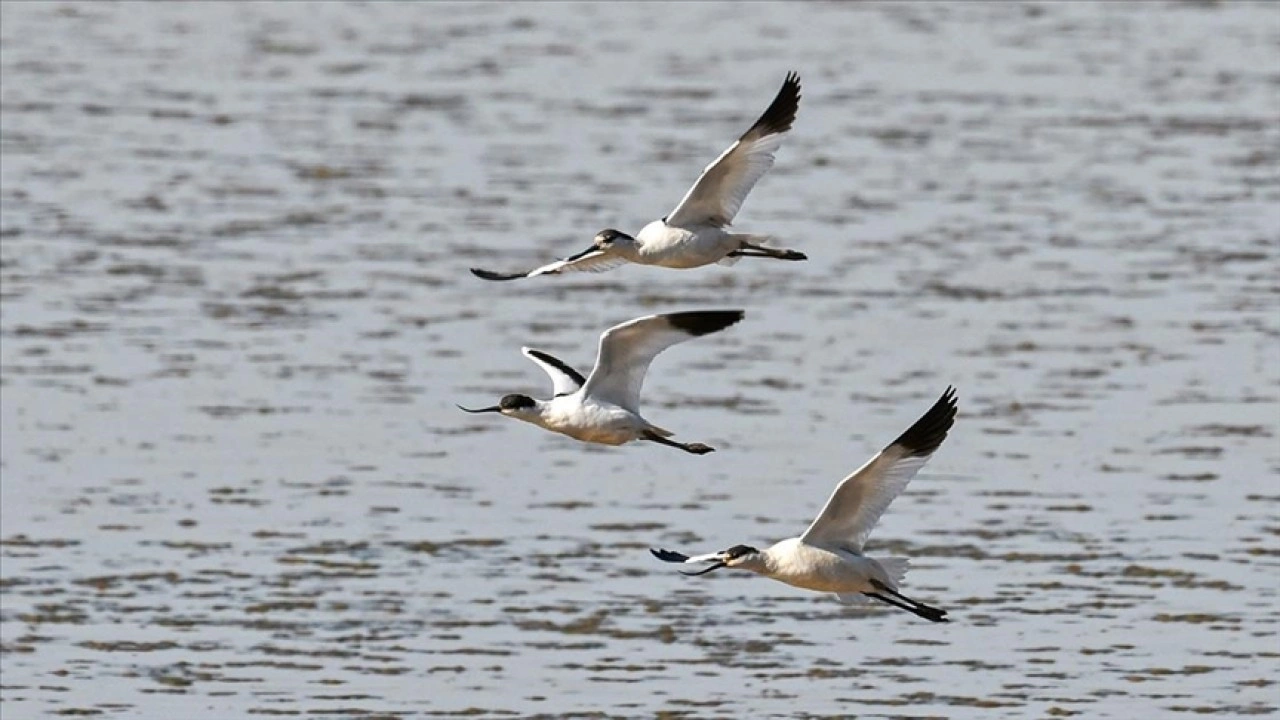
236 316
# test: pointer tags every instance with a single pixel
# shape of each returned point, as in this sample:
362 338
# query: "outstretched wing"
589 260
626 351
564 379
860 499
672 556
719 192
717 560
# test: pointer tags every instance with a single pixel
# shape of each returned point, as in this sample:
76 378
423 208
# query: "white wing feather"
860 499
564 379
724 184
624 356
588 261
717 196
626 351
591 262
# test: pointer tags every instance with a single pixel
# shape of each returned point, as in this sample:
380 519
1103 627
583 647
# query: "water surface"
236 316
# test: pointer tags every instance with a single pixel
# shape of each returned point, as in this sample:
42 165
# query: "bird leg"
932 617
749 250
695 448
892 597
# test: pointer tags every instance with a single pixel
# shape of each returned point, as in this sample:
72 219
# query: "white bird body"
694 234
589 420
604 408
682 248
828 557
660 244
814 567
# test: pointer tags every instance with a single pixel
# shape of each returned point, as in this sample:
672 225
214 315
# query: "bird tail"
761 240
895 568
660 432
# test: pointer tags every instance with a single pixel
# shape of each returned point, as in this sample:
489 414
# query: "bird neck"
775 560
539 414
762 563
624 247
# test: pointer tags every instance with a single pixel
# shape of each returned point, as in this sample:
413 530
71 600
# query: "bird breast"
814 568
661 244
591 421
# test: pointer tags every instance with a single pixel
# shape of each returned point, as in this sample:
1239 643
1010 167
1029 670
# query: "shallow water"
236 316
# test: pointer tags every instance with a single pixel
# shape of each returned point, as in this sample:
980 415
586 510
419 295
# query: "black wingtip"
670 556
558 364
579 255
496 276
930 430
703 322
781 113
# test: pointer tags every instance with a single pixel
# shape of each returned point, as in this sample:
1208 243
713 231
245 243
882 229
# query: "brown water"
236 316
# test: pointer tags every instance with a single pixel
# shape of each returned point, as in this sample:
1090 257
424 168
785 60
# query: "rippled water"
236 316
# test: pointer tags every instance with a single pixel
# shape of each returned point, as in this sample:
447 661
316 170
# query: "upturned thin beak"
584 253
495 408
718 564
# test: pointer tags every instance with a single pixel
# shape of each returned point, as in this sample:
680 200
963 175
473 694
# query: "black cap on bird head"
608 236
737 552
515 401
509 403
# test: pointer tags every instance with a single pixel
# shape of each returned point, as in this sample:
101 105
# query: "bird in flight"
696 232
605 406
828 556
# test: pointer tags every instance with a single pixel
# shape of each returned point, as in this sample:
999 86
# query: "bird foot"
698 448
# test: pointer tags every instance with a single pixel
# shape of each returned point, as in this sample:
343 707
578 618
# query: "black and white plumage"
695 232
604 407
591 260
828 556
564 379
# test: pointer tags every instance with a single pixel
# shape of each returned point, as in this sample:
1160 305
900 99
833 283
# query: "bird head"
513 405
743 556
609 238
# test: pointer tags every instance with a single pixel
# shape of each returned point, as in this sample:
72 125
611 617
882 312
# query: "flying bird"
605 406
828 556
696 232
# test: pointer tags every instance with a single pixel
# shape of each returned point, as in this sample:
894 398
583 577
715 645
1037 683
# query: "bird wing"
717 560
627 349
564 379
589 260
672 556
860 499
719 192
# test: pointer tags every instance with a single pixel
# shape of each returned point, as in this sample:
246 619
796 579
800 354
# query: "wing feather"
724 184
564 379
626 351
860 499
591 260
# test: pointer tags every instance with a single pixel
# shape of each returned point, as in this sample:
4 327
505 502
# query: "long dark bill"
495 408
717 566
582 254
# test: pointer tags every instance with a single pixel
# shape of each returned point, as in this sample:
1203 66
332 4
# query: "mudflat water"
236 316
